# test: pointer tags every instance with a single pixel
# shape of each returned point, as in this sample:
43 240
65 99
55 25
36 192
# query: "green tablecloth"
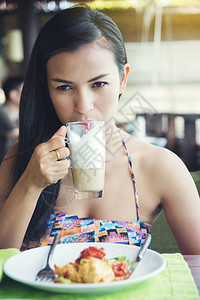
5 254
175 282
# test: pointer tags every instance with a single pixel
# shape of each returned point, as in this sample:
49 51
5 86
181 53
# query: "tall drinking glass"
86 142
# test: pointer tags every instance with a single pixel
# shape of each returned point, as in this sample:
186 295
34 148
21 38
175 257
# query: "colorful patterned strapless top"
73 229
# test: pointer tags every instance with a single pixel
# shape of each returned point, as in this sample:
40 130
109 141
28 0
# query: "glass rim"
85 122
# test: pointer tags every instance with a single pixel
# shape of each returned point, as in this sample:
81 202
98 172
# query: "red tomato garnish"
91 252
120 269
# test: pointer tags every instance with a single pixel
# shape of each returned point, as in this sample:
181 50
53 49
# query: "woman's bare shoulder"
165 169
149 154
156 160
6 172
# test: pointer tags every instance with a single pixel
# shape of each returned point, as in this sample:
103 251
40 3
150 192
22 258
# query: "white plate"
24 266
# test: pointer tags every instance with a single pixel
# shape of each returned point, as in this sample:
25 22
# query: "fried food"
92 267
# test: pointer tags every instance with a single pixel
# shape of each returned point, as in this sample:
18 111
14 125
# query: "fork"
140 254
47 273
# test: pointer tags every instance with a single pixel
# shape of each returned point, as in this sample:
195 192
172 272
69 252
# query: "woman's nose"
83 103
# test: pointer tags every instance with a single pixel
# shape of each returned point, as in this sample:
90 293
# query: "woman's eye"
99 84
63 87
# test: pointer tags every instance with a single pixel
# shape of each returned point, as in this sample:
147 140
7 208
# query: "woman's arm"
181 202
17 204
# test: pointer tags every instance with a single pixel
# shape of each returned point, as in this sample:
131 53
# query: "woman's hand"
44 167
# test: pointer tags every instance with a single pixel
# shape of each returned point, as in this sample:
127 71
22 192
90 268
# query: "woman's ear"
124 78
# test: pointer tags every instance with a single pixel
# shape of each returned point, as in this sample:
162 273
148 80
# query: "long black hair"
66 31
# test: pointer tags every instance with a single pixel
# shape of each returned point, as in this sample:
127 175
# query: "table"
193 262
175 282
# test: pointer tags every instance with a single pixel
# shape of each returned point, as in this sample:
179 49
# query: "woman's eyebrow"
61 80
70 82
98 77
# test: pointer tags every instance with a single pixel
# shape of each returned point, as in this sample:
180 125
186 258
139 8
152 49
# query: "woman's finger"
60 132
59 154
59 166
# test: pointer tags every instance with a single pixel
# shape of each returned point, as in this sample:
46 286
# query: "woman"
77 71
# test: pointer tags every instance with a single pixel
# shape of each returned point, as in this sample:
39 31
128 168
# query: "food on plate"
93 267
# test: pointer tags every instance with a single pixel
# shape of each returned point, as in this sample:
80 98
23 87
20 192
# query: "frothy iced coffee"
86 180
87 150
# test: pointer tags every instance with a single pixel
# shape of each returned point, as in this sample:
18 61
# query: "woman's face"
85 84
